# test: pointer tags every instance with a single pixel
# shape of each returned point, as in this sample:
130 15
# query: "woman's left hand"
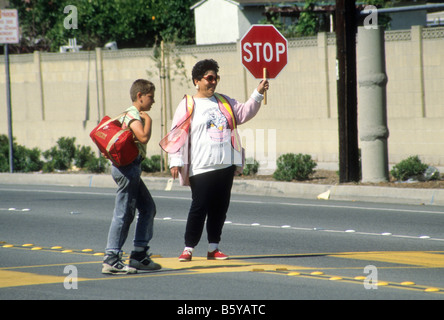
263 86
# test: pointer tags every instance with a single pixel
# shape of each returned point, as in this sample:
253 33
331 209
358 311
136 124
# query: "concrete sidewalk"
252 187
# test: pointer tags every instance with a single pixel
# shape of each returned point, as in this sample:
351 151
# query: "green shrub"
24 160
27 160
151 164
412 167
83 155
431 173
4 153
251 167
4 163
85 158
96 165
60 157
294 166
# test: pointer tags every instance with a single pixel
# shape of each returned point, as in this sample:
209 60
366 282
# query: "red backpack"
115 143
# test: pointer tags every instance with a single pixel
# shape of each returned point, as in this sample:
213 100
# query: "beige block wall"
415 96
302 103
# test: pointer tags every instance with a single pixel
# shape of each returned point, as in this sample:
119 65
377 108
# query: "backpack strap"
177 136
227 111
189 104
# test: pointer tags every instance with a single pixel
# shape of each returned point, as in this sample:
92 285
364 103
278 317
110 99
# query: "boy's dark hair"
143 86
201 67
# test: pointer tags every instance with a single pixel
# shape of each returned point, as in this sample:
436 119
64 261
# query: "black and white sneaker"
113 264
142 261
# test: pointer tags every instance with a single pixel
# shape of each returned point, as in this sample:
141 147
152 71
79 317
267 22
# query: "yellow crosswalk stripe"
414 258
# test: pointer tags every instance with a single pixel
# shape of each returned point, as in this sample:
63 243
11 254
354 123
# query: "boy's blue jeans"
132 194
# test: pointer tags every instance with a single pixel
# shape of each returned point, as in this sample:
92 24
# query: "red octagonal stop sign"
263 46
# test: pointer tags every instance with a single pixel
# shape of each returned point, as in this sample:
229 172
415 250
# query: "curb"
250 187
341 192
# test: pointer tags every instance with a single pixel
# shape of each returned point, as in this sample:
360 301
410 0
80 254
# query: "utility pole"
9 111
164 155
372 118
346 28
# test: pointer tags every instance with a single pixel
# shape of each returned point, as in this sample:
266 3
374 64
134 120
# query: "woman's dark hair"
202 67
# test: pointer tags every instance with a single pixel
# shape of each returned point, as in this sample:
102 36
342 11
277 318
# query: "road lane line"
10 277
316 205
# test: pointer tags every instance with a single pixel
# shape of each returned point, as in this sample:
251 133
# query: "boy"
132 193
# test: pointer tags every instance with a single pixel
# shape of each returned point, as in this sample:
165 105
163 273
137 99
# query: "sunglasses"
211 78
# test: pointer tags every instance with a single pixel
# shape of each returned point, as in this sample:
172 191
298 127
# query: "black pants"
211 193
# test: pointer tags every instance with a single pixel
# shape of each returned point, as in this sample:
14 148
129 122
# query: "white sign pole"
9 33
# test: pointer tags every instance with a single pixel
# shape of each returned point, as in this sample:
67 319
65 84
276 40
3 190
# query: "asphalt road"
52 240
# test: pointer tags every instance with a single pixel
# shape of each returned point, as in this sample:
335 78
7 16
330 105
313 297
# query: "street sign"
9 33
263 47
9 27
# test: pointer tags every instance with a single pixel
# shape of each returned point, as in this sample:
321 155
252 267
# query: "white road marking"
255 224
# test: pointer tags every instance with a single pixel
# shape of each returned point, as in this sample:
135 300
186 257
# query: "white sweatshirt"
210 134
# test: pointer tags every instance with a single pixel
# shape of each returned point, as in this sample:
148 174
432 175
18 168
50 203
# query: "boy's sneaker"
185 256
216 255
113 264
142 261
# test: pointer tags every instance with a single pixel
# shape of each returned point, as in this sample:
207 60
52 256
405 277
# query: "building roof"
268 2
246 3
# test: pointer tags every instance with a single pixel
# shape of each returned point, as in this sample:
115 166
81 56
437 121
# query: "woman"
208 158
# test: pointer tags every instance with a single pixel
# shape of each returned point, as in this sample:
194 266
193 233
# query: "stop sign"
263 46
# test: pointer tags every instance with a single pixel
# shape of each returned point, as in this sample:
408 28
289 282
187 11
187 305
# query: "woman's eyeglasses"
211 78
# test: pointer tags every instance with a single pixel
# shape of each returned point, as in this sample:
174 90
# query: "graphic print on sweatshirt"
217 126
